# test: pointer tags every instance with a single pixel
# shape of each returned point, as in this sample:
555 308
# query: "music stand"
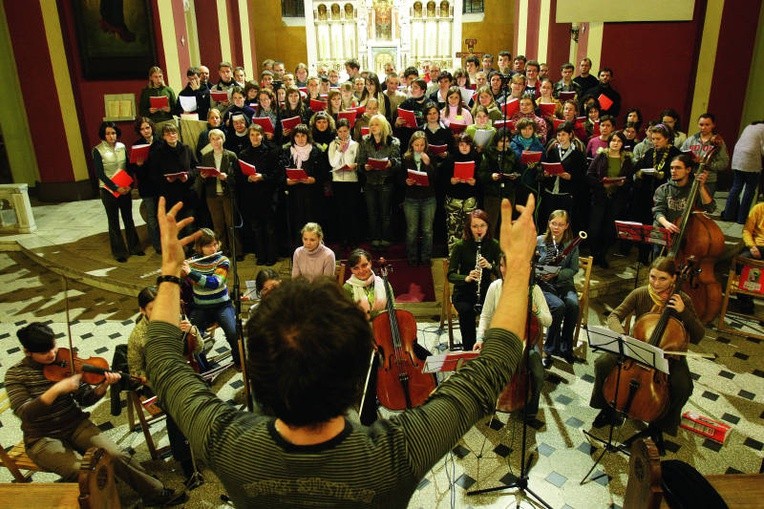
625 347
643 234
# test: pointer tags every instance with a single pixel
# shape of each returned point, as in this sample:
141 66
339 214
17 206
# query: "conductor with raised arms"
308 349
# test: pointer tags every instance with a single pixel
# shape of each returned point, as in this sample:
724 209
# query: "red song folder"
464 170
349 115
553 168
247 169
122 179
408 116
139 153
530 156
510 107
296 174
220 96
265 123
419 177
159 101
291 122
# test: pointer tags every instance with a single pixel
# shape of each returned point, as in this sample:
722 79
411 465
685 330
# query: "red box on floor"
705 426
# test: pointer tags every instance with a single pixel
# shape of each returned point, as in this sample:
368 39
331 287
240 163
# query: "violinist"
658 292
136 360
471 268
559 290
309 347
56 430
540 310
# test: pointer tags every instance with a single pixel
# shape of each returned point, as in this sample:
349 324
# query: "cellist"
658 292
367 290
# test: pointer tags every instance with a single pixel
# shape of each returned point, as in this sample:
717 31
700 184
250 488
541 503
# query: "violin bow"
68 322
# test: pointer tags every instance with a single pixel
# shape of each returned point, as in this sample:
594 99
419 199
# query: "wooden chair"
447 310
581 348
95 488
15 459
733 287
148 413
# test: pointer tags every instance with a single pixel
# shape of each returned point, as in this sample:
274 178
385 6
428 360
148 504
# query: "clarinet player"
472 267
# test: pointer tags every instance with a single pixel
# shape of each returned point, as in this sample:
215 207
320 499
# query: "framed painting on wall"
115 38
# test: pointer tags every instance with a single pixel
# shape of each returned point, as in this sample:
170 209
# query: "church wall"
273 39
496 32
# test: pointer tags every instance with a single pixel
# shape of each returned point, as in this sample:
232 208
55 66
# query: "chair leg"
144 426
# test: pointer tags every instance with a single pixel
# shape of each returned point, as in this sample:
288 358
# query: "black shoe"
139 253
606 417
547 362
167 497
569 358
121 259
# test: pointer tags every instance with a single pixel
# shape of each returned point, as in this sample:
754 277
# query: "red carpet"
411 284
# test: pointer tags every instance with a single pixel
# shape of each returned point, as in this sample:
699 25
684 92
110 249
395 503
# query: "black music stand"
643 234
625 347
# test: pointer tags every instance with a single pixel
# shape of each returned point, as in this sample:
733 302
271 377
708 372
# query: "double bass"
400 381
647 395
701 238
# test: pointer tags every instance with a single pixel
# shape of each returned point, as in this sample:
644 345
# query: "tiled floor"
102 308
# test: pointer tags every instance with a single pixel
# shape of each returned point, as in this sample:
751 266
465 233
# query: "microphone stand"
236 297
521 482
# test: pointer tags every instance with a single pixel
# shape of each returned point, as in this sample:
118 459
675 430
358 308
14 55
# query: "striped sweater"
209 279
376 466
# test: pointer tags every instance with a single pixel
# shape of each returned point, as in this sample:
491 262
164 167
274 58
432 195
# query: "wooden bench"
95 488
15 459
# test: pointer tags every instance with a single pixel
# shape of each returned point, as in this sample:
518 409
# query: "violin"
92 369
647 395
400 381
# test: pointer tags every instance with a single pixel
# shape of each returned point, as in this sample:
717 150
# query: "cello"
647 397
400 381
517 393
701 238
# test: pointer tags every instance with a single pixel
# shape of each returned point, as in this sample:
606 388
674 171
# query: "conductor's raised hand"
518 239
173 254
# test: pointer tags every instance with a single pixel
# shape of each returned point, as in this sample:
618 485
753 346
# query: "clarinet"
478 304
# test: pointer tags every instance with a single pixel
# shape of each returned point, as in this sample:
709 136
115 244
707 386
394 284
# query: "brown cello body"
703 240
400 381
639 391
516 393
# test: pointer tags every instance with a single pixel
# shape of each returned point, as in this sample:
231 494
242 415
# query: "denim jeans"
559 337
378 202
737 209
420 214
152 224
225 316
